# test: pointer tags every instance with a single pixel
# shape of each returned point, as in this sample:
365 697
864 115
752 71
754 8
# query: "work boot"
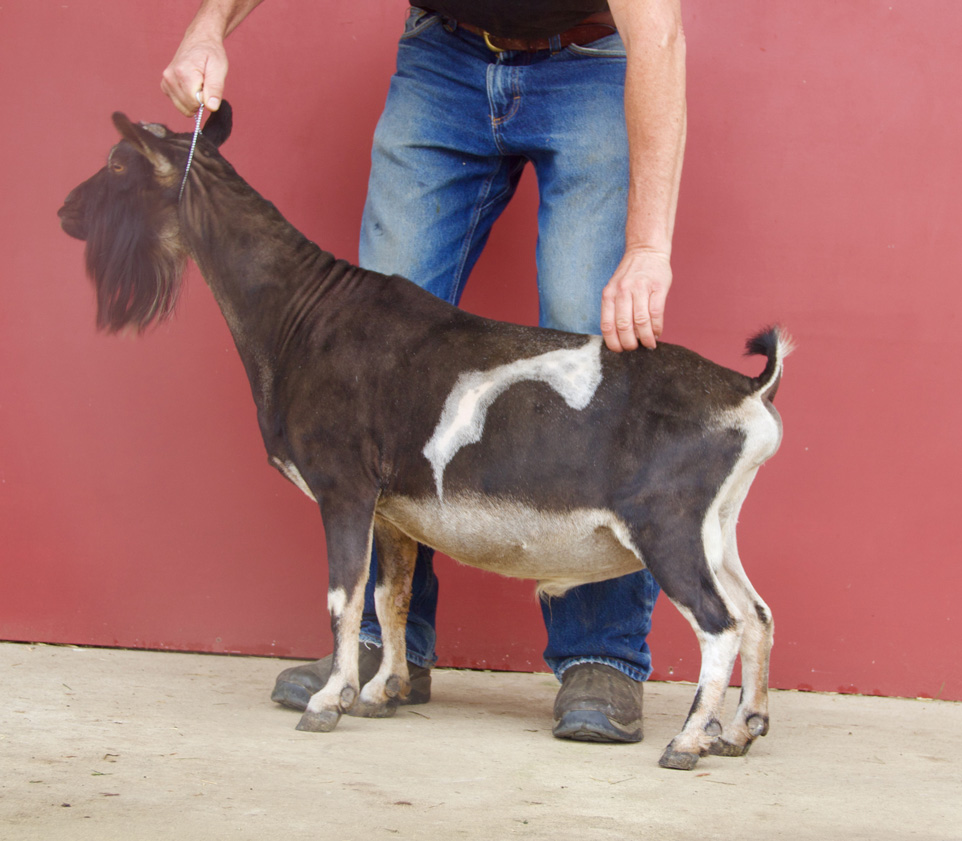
294 686
597 703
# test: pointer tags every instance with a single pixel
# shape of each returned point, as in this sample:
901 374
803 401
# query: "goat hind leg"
703 726
751 717
688 579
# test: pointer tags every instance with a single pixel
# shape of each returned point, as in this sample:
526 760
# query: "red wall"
821 190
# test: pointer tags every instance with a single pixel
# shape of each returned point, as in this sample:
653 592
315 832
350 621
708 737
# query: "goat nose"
68 203
70 220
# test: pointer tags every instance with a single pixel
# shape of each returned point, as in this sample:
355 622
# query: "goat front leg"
396 555
348 529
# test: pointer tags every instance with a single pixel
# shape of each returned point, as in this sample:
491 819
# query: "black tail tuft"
774 344
763 343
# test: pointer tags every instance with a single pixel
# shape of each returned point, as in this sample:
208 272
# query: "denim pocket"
611 46
417 21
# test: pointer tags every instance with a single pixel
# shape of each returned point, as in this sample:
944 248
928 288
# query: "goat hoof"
365 709
678 760
323 722
720 747
757 725
385 710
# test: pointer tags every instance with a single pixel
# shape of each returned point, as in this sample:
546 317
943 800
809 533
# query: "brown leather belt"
590 29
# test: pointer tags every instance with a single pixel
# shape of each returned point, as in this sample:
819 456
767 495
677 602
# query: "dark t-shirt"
518 18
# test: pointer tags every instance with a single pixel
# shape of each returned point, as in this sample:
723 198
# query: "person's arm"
633 302
200 63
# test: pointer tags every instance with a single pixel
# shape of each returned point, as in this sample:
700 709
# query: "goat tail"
775 344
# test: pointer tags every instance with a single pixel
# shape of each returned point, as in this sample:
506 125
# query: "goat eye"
116 166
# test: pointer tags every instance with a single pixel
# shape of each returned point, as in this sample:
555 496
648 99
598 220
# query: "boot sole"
594 726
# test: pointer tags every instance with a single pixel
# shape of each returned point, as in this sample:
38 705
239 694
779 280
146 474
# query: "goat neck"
270 281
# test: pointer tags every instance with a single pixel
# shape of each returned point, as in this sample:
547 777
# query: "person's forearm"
221 17
655 115
199 67
633 301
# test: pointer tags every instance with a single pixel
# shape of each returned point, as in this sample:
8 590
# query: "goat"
530 452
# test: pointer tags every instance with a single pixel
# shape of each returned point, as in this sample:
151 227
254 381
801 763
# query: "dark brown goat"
533 453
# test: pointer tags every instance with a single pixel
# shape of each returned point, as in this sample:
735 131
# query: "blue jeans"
459 125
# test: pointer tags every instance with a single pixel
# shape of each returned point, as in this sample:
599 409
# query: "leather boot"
597 703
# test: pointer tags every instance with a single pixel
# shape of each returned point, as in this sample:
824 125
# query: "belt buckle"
488 44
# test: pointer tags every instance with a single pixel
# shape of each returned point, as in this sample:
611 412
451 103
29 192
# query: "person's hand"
198 66
633 302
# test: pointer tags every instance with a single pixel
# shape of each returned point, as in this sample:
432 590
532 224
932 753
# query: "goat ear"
218 126
148 140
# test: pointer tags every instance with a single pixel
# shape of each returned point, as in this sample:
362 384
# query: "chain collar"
190 156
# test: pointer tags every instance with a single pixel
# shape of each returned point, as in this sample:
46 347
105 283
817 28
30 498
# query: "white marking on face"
293 475
574 373
336 601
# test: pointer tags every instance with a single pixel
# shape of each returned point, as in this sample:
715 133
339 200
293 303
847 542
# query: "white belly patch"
574 373
559 549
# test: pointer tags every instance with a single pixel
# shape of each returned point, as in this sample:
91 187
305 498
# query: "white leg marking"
574 374
336 600
718 659
374 698
718 652
344 672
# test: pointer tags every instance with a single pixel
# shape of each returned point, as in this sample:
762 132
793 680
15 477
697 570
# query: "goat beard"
136 266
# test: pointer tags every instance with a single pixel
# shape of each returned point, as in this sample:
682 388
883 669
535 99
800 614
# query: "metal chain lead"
190 156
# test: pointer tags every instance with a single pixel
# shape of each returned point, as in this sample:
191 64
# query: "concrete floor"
144 746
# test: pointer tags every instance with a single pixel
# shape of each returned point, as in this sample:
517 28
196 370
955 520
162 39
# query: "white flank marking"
574 374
